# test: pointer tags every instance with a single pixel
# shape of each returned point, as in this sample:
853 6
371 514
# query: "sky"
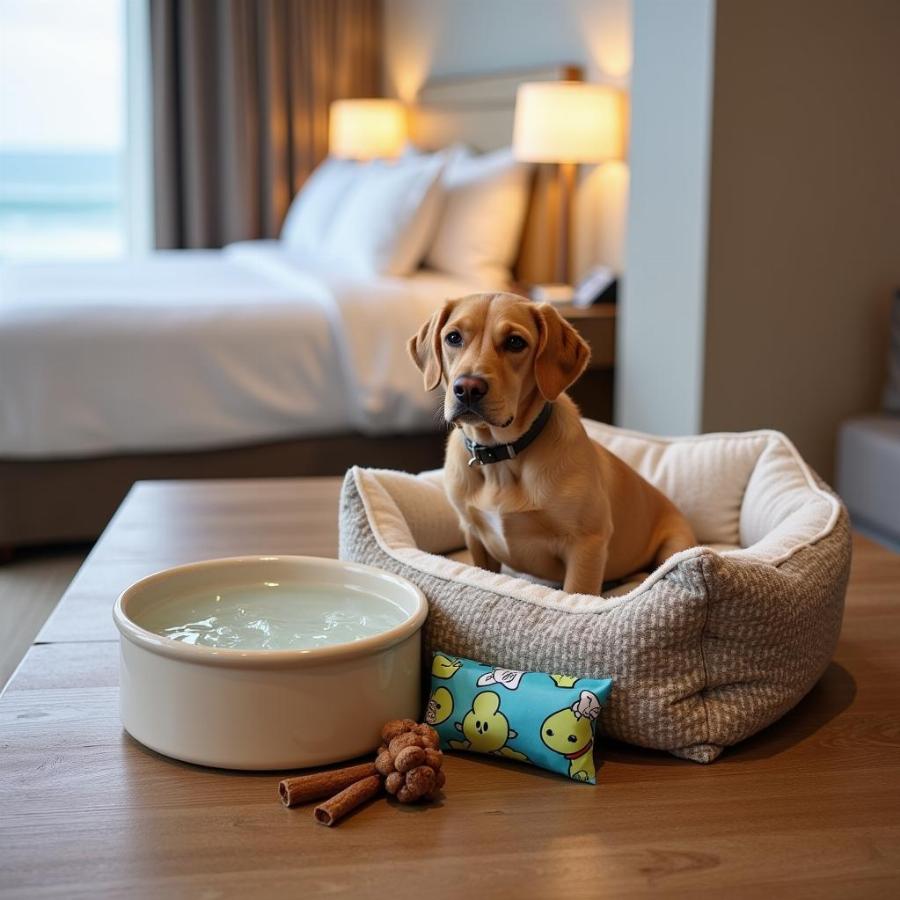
61 74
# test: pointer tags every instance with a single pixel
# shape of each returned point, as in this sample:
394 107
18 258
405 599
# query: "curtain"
241 90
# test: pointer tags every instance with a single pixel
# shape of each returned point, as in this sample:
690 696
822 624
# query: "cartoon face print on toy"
440 706
570 733
486 729
444 667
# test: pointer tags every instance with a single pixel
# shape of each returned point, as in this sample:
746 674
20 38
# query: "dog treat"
306 788
533 717
411 763
332 811
408 766
409 758
394 782
384 763
402 741
396 727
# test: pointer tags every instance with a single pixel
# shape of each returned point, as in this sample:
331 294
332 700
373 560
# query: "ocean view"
60 205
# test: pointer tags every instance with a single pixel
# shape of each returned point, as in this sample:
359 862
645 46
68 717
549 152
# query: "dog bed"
712 646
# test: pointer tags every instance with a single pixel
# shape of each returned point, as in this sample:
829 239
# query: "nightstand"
597 325
593 392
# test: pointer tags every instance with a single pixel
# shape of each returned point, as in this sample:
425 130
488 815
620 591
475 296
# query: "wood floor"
30 587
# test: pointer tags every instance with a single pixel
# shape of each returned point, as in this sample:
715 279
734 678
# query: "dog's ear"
561 354
425 346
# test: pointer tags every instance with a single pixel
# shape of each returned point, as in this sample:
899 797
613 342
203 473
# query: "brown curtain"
241 90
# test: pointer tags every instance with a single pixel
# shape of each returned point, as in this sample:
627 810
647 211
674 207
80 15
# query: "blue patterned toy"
546 720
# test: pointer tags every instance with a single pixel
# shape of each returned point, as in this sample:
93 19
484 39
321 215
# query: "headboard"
479 110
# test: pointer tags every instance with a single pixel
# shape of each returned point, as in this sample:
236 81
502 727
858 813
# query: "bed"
192 349
255 360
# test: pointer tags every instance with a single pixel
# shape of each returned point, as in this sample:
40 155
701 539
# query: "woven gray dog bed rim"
591 603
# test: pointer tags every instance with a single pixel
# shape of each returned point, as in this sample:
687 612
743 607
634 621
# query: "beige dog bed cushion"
711 647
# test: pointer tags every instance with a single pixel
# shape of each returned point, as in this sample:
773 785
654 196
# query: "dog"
532 490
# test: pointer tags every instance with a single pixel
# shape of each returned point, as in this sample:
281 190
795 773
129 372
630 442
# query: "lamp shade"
366 129
567 121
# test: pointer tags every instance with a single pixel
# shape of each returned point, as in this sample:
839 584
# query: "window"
69 181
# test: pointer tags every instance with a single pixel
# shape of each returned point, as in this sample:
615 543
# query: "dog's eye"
453 338
571 739
515 343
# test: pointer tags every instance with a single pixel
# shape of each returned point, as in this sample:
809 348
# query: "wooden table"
809 807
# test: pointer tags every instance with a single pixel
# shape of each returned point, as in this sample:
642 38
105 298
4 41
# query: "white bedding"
203 349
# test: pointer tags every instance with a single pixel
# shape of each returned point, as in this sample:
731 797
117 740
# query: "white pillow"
484 209
385 223
313 209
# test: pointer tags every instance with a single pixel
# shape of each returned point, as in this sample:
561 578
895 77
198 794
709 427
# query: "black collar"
485 454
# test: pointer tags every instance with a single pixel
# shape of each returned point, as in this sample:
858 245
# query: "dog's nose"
469 389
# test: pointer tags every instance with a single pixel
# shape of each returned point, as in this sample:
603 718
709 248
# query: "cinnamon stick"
332 811
306 788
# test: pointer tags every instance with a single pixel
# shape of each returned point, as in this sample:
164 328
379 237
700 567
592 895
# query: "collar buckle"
484 454
481 454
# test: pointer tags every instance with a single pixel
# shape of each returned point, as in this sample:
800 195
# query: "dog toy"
548 720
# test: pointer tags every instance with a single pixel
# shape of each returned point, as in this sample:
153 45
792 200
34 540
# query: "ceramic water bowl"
268 662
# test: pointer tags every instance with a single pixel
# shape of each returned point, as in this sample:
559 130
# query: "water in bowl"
272 616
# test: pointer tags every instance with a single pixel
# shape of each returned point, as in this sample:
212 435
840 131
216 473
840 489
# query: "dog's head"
496 354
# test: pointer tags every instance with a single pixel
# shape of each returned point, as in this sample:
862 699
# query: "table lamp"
366 129
566 122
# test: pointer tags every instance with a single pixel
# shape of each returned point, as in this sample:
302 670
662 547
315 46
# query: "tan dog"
563 508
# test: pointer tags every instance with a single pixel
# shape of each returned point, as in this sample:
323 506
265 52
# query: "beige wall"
764 229
428 38
659 354
804 216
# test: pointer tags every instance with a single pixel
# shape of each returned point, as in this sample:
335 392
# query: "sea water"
272 616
